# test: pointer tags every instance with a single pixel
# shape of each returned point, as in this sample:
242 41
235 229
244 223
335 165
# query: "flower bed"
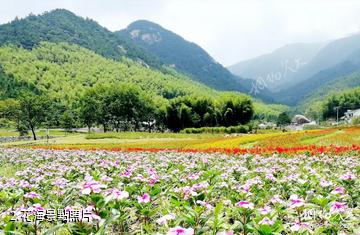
172 192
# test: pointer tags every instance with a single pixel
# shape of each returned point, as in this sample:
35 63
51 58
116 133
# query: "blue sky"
230 30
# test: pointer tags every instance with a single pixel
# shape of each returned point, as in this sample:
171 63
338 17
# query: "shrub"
221 129
356 121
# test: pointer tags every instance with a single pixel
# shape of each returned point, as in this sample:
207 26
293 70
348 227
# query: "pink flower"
297 226
245 205
338 207
276 200
338 190
165 218
91 215
145 198
180 231
126 174
324 183
296 202
265 210
32 195
90 185
61 182
119 195
36 207
106 178
206 204
24 184
225 233
348 176
266 221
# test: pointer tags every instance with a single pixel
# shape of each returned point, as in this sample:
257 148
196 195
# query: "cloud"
230 30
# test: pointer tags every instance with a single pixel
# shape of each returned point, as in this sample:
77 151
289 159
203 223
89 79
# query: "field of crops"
178 193
125 140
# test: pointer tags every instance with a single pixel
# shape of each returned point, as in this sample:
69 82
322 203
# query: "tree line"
125 107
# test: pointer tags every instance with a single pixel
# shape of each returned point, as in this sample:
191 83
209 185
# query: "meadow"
303 182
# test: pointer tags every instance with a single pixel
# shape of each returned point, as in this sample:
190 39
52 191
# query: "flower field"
179 192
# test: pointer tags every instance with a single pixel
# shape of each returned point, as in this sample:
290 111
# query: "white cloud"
230 30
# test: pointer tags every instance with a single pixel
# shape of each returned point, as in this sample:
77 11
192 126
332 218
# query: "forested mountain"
79 86
64 71
64 26
281 63
183 55
342 84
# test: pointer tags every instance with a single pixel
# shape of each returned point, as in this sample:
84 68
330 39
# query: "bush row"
220 129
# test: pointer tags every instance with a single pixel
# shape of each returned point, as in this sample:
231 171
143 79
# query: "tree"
89 108
283 119
236 109
32 111
68 121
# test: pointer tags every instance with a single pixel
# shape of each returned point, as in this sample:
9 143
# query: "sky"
229 30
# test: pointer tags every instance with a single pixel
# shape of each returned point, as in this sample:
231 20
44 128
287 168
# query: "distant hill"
281 63
337 73
64 26
183 55
339 85
333 54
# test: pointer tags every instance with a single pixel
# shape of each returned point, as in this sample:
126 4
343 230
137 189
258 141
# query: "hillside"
283 61
64 26
183 55
335 87
64 71
297 93
333 54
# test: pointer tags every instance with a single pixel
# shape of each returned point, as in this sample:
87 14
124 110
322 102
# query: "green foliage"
346 100
283 119
63 26
68 120
339 85
219 129
268 112
119 95
32 112
356 121
64 71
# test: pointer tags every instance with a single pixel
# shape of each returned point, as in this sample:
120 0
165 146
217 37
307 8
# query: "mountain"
64 71
300 91
339 85
61 25
183 55
277 67
332 54
64 26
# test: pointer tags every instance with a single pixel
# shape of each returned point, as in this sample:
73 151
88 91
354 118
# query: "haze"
229 30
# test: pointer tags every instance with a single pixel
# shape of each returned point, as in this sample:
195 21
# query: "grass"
40 132
147 135
8 170
7 133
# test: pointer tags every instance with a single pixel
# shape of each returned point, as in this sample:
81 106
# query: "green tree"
89 108
32 111
283 119
68 120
